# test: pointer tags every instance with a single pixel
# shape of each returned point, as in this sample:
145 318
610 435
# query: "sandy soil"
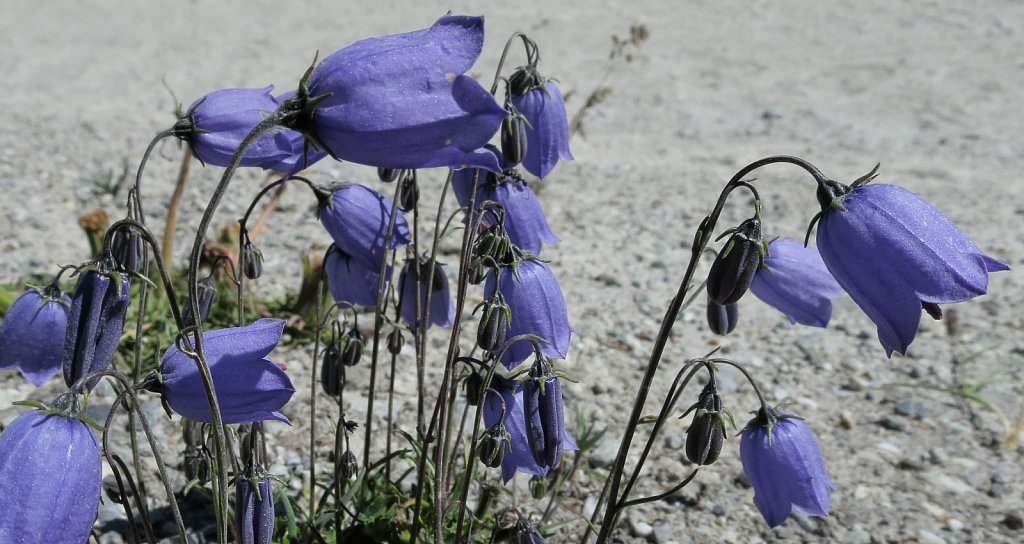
932 90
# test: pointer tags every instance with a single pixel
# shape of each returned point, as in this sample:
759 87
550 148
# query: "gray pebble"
910 408
1014 521
662 533
893 423
857 536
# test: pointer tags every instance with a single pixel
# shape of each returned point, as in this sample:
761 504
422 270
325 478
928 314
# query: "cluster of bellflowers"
892 252
399 103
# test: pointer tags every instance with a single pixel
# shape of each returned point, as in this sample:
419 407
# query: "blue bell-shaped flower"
413 280
32 333
357 219
95 321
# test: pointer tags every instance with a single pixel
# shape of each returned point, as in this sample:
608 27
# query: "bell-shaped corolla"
32 333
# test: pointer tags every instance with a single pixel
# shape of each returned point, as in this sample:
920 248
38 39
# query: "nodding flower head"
794 280
542 404
50 478
735 266
782 460
537 308
32 333
402 101
250 387
254 510
418 278
352 281
540 103
357 219
215 125
95 321
894 253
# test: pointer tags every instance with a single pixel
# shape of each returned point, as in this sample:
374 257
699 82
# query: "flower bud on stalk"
735 266
252 261
408 192
513 139
349 466
207 292
493 444
722 319
95 322
395 342
332 372
254 510
494 323
352 347
474 388
388 175
128 250
542 404
707 431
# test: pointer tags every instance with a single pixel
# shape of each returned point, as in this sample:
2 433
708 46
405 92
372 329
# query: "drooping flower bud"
198 456
388 175
542 405
513 139
408 191
538 487
95 322
541 104
349 466
352 347
252 261
254 511
395 341
50 478
735 266
474 388
32 333
722 319
493 444
494 323
707 431
128 250
332 372
207 290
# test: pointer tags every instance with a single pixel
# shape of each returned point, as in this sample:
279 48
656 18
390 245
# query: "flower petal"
795 281
547 137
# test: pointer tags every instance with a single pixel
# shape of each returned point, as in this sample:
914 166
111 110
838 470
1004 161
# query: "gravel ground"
925 88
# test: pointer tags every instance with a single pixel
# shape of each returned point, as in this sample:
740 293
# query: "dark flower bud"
542 405
388 175
513 139
474 388
722 319
352 347
477 272
494 323
207 292
128 250
95 322
408 192
254 511
332 372
395 342
348 467
736 265
538 486
707 431
252 261
493 444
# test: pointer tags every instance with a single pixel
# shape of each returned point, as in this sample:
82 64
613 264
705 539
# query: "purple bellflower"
542 404
50 479
547 136
794 280
402 101
894 253
523 216
413 279
216 124
509 402
95 322
254 511
250 387
357 219
782 460
350 280
303 154
537 307
32 333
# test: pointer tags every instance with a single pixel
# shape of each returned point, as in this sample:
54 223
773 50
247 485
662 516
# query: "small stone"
954 524
846 420
718 509
662 533
857 536
604 455
937 456
928 537
641 529
910 408
914 462
893 423
1013 521
996 491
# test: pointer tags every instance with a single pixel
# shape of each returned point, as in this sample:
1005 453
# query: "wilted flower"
95 322
523 217
547 136
894 253
413 279
50 479
509 402
782 460
401 101
350 280
538 308
216 124
794 280
357 219
254 511
250 387
735 266
32 333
